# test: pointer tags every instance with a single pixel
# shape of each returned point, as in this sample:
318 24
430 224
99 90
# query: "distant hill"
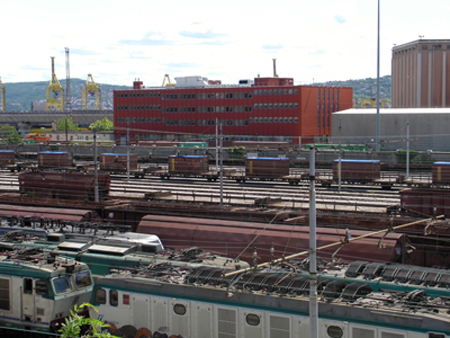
365 88
20 95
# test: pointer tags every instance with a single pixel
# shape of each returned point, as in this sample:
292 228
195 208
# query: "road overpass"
45 118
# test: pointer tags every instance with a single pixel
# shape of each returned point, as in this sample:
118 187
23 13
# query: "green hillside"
19 96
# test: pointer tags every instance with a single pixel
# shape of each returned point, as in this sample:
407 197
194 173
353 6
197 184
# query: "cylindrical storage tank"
188 164
118 162
266 167
54 159
357 170
7 157
441 173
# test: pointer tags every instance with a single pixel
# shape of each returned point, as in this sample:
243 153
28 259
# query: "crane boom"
55 92
91 88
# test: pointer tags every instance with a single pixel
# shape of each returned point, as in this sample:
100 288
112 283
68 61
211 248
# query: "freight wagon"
118 163
54 160
64 185
233 239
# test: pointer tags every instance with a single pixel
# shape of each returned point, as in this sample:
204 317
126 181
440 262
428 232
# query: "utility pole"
95 166
313 304
68 100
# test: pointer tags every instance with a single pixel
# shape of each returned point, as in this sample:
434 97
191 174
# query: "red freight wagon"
54 159
113 161
425 202
188 164
441 173
357 170
64 185
231 238
266 167
7 158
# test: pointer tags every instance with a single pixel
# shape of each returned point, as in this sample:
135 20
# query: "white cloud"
115 41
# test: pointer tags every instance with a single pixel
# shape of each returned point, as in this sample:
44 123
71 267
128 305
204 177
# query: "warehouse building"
264 110
428 128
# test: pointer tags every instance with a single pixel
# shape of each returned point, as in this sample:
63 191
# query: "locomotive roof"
339 297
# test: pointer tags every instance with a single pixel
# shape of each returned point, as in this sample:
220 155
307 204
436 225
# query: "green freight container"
193 145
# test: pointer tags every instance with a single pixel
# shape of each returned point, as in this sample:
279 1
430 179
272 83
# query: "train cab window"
4 294
252 319
83 279
62 284
335 332
179 309
100 296
113 297
436 335
41 288
28 286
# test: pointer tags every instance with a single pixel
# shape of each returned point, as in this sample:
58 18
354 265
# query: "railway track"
351 198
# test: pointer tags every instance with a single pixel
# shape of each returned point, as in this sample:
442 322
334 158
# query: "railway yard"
249 215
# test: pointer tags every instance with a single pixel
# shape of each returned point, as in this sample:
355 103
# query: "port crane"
2 96
92 89
372 103
167 82
55 92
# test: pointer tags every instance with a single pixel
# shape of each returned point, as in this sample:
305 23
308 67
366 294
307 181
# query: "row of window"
210 95
323 94
212 109
191 122
169 137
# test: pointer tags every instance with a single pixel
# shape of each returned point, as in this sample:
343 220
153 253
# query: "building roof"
392 111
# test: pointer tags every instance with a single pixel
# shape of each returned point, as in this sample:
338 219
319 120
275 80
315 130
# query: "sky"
120 41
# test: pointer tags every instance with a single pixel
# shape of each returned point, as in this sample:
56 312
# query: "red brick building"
421 74
266 109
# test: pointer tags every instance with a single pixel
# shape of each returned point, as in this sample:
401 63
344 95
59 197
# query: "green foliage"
66 123
10 134
235 152
77 326
365 88
414 157
103 125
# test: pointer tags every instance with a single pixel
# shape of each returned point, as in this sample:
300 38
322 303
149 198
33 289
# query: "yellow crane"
167 82
92 89
2 96
55 92
371 103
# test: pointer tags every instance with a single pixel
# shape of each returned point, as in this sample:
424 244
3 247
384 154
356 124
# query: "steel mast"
68 101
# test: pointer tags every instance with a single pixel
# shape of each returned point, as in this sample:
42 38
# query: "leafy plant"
11 135
103 125
77 326
66 123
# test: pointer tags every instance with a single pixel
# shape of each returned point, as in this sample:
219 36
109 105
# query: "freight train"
361 300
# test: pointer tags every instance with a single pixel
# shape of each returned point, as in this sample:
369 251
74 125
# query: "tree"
74 326
103 125
10 134
66 123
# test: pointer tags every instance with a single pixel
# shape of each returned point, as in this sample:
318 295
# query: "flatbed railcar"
274 302
38 290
